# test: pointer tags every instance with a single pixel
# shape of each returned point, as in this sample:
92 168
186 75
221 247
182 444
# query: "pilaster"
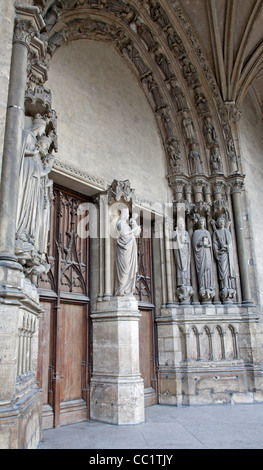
117 389
20 397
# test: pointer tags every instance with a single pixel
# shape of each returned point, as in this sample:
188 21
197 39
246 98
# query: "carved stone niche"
38 101
120 191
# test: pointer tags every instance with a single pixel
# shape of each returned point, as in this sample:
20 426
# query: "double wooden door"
64 334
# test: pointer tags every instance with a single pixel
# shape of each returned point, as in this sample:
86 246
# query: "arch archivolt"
148 39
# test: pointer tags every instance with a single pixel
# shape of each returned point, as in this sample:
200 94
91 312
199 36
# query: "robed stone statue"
34 199
202 248
126 256
223 251
183 258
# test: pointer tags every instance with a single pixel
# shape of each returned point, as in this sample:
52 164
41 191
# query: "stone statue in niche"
195 160
210 132
164 65
47 161
178 97
175 43
202 248
137 60
189 72
146 35
34 199
215 161
158 14
174 155
201 101
155 91
126 256
223 251
167 123
188 127
183 257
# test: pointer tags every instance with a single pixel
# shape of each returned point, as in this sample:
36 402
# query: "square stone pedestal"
208 355
117 389
20 396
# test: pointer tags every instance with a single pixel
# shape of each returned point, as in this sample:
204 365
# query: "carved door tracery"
145 296
64 344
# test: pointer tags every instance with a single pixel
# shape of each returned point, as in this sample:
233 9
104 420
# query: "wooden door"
64 345
145 296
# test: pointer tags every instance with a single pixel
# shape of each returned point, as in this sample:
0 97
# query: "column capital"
237 186
28 22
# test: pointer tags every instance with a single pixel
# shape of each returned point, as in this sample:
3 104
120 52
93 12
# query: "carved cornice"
28 22
76 173
28 26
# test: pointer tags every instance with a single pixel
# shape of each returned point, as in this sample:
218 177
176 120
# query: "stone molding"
76 173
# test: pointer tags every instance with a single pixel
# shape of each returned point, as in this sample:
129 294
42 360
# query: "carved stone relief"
202 247
103 29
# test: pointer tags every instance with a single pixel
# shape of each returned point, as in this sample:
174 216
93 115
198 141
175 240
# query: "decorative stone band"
75 172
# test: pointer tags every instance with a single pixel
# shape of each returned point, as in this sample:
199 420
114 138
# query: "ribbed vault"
230 34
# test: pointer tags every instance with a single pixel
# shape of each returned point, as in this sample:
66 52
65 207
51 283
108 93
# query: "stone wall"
251 142
106 126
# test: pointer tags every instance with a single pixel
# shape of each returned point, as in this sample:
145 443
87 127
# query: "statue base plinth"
20 396
117 388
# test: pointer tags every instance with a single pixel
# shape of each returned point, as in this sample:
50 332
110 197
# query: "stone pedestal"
207 355
20 397
117 389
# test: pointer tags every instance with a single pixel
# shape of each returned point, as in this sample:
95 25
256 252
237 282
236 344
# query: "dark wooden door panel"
145 296
64 359
73 351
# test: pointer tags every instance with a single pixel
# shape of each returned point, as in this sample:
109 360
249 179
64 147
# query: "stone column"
20 399
26 24
117 388
241 242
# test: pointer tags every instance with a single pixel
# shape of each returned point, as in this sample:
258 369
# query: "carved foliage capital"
23 32
28 23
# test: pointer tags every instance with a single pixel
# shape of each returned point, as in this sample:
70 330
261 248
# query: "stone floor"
166 427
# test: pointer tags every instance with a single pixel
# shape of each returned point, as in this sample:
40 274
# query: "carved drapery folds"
208 212
35 187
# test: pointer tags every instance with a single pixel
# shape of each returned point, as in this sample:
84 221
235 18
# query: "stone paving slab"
167 427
